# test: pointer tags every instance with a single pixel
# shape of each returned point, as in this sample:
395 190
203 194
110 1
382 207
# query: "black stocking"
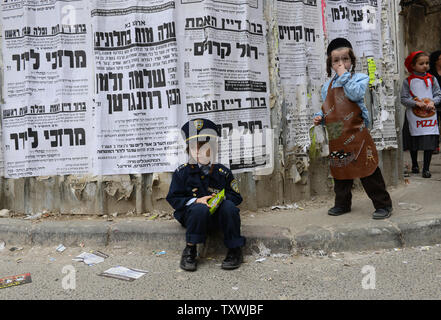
427 159
414 156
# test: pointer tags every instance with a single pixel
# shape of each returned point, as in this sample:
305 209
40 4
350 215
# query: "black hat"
202 129
338 43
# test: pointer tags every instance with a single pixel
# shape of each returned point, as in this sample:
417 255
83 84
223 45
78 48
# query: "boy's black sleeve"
232 190
436 92
176 195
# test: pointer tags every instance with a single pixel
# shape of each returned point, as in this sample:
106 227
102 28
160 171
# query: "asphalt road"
410 273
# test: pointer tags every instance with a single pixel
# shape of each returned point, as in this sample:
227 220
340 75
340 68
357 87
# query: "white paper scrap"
123 272
89 258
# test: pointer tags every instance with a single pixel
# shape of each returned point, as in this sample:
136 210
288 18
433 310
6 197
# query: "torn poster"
359 21
302 66
137 90
47 109
224 63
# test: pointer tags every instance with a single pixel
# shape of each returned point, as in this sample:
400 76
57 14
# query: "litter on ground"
91 258
123 273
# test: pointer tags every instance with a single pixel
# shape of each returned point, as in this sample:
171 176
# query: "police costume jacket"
189 182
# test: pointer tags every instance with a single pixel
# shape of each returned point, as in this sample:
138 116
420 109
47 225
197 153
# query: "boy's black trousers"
373 185
199 222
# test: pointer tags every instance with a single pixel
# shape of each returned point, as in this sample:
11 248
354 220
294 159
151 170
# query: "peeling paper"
121 190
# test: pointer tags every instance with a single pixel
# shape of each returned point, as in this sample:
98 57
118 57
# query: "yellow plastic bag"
216 201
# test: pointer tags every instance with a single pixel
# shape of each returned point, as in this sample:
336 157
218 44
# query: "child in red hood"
420 93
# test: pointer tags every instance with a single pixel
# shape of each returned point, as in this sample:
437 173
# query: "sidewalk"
415 221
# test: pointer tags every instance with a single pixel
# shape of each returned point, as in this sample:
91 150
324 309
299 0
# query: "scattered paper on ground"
287 207
123 273
89 258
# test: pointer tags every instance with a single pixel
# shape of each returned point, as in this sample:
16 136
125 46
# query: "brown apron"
352 152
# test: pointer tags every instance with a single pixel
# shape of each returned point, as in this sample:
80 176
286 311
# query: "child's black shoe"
336 211
415 170
188 259
233 259
426 174
382 213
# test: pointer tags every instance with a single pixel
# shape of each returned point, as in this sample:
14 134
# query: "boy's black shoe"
336 211
415 170
382 213
426 174
188 259
233 259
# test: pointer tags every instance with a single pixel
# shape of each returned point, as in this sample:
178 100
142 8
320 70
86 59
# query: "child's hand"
431 106
204 200
340 69
420 104
317 120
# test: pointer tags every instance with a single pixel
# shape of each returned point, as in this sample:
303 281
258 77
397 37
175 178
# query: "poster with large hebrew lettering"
302 66
47 89
137 90
224 72
300 41
359 21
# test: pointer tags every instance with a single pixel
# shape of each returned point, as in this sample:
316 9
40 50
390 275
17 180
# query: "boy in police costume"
197 181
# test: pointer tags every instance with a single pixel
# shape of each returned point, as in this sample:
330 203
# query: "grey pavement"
409 273
416 221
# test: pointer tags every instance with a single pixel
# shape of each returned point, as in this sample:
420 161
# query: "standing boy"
353 153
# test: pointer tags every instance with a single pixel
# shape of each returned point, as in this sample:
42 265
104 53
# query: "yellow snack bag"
216 201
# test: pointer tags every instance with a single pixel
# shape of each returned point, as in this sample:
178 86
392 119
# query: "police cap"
202 129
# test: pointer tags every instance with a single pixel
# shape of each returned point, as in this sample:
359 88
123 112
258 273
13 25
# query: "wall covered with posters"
94 94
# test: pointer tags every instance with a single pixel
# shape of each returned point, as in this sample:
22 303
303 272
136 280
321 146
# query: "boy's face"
200 151
421 64
340 58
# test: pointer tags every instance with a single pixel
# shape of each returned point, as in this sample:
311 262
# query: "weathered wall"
421 32
147 192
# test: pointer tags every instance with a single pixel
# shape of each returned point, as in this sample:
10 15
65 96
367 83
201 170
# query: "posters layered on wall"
2 168
384 130
359 21
47 90
302 66
138 93
97 87
224 72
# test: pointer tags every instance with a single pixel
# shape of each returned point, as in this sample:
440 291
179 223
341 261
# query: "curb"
393 233
168 235
156 235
